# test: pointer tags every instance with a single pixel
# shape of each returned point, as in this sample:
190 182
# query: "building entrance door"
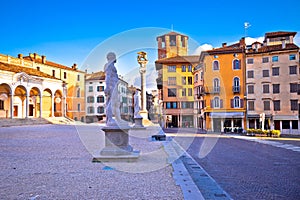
30 110
15 111
217 125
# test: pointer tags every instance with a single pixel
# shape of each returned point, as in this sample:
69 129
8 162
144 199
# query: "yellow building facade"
224 87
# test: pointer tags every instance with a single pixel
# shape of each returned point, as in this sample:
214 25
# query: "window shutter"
211 103
232 103
221 103
242 103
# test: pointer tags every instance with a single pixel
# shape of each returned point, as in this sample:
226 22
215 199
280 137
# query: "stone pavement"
55 162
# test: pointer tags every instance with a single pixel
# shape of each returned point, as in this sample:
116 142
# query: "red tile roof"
179 59
29 71
95 76
271 48
279 34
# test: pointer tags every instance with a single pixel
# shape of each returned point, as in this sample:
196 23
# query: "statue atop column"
111 91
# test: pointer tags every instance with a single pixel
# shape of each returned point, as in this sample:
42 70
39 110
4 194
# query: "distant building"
199 93
175 80
273 83
123 91
95 97
32 86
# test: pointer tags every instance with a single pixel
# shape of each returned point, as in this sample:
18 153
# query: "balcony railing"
236 89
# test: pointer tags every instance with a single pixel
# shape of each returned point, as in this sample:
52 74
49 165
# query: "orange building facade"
224 88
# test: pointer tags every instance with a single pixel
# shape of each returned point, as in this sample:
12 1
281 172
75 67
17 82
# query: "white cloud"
297 39
203 47
250 40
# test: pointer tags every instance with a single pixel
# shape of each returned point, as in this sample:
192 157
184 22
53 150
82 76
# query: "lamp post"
142 60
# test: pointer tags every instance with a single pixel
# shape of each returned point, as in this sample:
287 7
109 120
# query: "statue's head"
111 57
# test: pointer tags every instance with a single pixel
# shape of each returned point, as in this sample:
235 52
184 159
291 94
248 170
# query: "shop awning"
226 114
285 117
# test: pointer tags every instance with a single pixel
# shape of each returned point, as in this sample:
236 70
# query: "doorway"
15 111
30 110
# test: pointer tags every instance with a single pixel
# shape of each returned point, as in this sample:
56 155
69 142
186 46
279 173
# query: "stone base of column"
146 121
117 146
138 123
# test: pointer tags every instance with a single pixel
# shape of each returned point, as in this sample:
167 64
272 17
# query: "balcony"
236 89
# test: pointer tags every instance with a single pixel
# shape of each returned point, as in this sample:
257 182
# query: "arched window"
100 99
216 85
236 64
90 99
236 102
236 84
216 102
216 65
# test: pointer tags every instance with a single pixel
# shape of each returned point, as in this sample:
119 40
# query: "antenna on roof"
246 26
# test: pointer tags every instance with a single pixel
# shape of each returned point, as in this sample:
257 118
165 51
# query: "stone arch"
34 102
5 101
20 102
58 103
47 103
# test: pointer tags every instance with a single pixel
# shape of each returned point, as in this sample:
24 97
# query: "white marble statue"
137 104
111 91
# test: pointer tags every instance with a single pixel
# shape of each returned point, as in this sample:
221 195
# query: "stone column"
27 105
41 105
11 106
52 105
142 60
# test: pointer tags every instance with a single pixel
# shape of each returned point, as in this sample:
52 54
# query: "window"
250 89
236 84
78 92
190 92
78 107
236 102
250 105
100 99
90 88
265 73
183 68
100 110
172 92
276 88
171 105
171 80
172 68
275 59
100 88
265 59
216 102
183 80
196 78
53 72
2 105
172 40
184 92
236 64
190 80
266 88
266 105
293 87
90 109
216 85
187 104
250 61
285 124
78 77
276 105
201 75
38 68
294 105
65 75
294 124
190 68
275 71
293 57
216 65
250 74
90 99
293 69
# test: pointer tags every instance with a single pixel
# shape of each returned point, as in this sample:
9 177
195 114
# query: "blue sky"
67 31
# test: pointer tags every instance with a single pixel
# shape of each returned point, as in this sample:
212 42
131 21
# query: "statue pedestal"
138 123
117 146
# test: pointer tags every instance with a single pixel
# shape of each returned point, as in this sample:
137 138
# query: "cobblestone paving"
251 170
50 162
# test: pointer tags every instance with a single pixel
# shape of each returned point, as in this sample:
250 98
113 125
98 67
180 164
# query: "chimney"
224 44
43 59
283 43
35 55
74 66
242 42
20 56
